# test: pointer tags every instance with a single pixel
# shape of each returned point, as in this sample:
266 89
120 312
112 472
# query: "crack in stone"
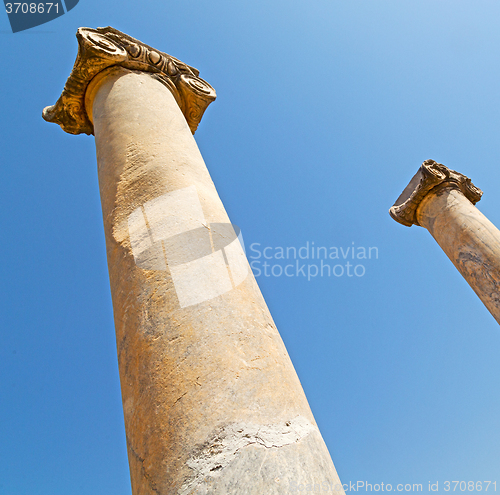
210 459
147 477
179 399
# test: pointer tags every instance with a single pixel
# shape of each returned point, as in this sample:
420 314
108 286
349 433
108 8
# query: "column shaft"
468 238
212 403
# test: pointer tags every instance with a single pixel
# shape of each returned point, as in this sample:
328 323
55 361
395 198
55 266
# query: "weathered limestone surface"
442 201
211 400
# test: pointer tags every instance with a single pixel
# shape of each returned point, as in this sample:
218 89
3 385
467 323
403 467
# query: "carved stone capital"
431 175
101 48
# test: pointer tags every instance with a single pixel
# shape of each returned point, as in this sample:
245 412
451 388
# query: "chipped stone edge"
430 176
223 446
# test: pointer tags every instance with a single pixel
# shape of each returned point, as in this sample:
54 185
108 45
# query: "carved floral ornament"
431 175
101 48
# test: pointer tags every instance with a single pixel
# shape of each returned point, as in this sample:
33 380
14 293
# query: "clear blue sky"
325 110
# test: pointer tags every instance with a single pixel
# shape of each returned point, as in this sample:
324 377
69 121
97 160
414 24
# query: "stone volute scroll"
101 48
430 176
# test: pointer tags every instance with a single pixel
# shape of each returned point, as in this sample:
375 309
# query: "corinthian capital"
429 178
101 48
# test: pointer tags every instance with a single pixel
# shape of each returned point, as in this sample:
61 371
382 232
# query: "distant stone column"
442 201
212 403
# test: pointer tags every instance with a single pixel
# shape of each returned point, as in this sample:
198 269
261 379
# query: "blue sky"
325 110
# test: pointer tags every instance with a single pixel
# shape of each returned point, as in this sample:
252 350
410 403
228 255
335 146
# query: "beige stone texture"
468 238
211 400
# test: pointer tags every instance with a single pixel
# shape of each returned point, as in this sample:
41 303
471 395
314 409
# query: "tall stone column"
211 401
442 201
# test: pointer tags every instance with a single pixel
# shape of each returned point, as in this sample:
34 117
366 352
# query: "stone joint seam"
210 459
